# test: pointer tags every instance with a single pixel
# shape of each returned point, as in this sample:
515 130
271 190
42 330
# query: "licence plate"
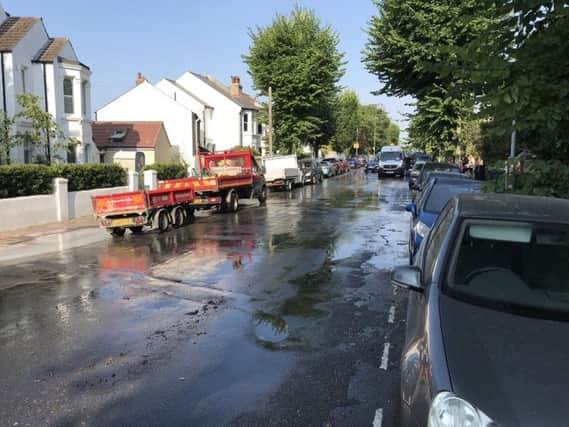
122 221
200 201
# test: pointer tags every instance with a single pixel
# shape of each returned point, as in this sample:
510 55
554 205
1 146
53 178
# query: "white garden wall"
18 212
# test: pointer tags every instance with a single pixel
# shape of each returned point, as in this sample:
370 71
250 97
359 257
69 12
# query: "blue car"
432 201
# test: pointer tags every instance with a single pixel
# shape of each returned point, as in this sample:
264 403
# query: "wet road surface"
276 315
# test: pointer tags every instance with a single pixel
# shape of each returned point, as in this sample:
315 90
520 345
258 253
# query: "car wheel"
289 186
163 220
234 204
137 229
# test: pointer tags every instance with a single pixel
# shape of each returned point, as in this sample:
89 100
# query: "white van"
391 161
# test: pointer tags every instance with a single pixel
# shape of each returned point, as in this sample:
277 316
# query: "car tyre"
263 196
118 232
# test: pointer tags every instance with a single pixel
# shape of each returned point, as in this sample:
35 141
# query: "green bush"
169 170
32 179
534 178
91 175
25 180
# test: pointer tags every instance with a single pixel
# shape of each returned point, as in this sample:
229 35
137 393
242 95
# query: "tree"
347 120
7 140
392 134
299 59
412 49
44 133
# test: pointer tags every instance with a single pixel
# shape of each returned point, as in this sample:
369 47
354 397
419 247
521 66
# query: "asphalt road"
276 315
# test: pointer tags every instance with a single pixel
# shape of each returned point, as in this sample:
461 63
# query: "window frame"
447 212
245 121
84 106
66 96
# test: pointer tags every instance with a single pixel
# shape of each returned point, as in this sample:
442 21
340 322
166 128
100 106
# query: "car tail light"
106 222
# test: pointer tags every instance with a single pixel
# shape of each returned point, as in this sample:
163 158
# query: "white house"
233 119
144 102
32 61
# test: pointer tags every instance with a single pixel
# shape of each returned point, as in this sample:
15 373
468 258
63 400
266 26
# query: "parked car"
434 166
335 164
487 315
353 163
327 168
435 196
311 170
414 174
391 162
371 166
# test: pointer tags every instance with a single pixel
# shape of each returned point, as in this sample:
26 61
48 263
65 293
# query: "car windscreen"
441 193
390 155
418 166
306 165
513 266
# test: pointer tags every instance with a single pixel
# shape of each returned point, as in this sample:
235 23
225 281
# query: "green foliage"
25 180
44 132
30 179
533 177
91 175
412 49
299 59
169 170
363 124
7 140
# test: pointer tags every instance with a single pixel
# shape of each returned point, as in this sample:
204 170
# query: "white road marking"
391 317
385 356
378 419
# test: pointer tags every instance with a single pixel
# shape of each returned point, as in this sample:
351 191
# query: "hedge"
169 170
534 178
31 179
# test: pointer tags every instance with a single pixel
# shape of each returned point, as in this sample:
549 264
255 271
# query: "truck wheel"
136 230
118 232
162 220
178 217
289 186
263 196
189 215
234 202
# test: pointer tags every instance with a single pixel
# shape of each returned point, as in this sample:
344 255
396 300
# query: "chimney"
140 78
235 88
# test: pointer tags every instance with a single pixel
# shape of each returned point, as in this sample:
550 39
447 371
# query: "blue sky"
116 39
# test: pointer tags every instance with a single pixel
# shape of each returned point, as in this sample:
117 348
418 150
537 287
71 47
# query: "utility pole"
270 121
513 140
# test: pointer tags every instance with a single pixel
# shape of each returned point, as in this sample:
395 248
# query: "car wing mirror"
408 277
411 207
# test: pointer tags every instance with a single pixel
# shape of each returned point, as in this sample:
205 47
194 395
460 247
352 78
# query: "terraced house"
32 61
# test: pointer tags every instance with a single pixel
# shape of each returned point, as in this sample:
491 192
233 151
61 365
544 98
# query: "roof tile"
13 30
51 49
139 135
244 101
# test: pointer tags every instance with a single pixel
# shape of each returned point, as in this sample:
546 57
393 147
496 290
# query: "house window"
245 122
23 72
28 151
71 157
68 96
84 98
259 128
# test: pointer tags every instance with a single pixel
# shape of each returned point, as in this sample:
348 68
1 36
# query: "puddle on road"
270 328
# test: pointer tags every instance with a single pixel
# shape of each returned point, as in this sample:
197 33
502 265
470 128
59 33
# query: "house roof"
244 101
51 49
183 89
139 134
13 30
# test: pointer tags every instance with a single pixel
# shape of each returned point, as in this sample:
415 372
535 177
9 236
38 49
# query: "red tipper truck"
229 176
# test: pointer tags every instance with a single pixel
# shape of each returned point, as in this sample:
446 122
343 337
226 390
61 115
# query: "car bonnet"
514 368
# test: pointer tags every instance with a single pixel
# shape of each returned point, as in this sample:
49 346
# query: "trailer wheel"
263 196
162 220
234 202
118 232
178 216
189 215
137 229
289 186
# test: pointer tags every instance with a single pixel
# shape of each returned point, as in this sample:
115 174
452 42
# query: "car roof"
447 174
513 207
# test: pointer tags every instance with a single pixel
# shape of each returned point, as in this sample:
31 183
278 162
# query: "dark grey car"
487 320
311 171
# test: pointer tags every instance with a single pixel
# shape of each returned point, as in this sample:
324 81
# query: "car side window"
436 237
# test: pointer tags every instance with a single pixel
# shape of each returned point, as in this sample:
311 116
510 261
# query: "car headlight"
422 229
449 410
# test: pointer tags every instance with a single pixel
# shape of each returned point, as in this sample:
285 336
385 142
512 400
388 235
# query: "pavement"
275 315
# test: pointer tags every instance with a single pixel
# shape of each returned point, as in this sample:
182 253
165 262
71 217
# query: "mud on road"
276 315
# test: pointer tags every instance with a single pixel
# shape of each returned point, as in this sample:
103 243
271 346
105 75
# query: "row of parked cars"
488 309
